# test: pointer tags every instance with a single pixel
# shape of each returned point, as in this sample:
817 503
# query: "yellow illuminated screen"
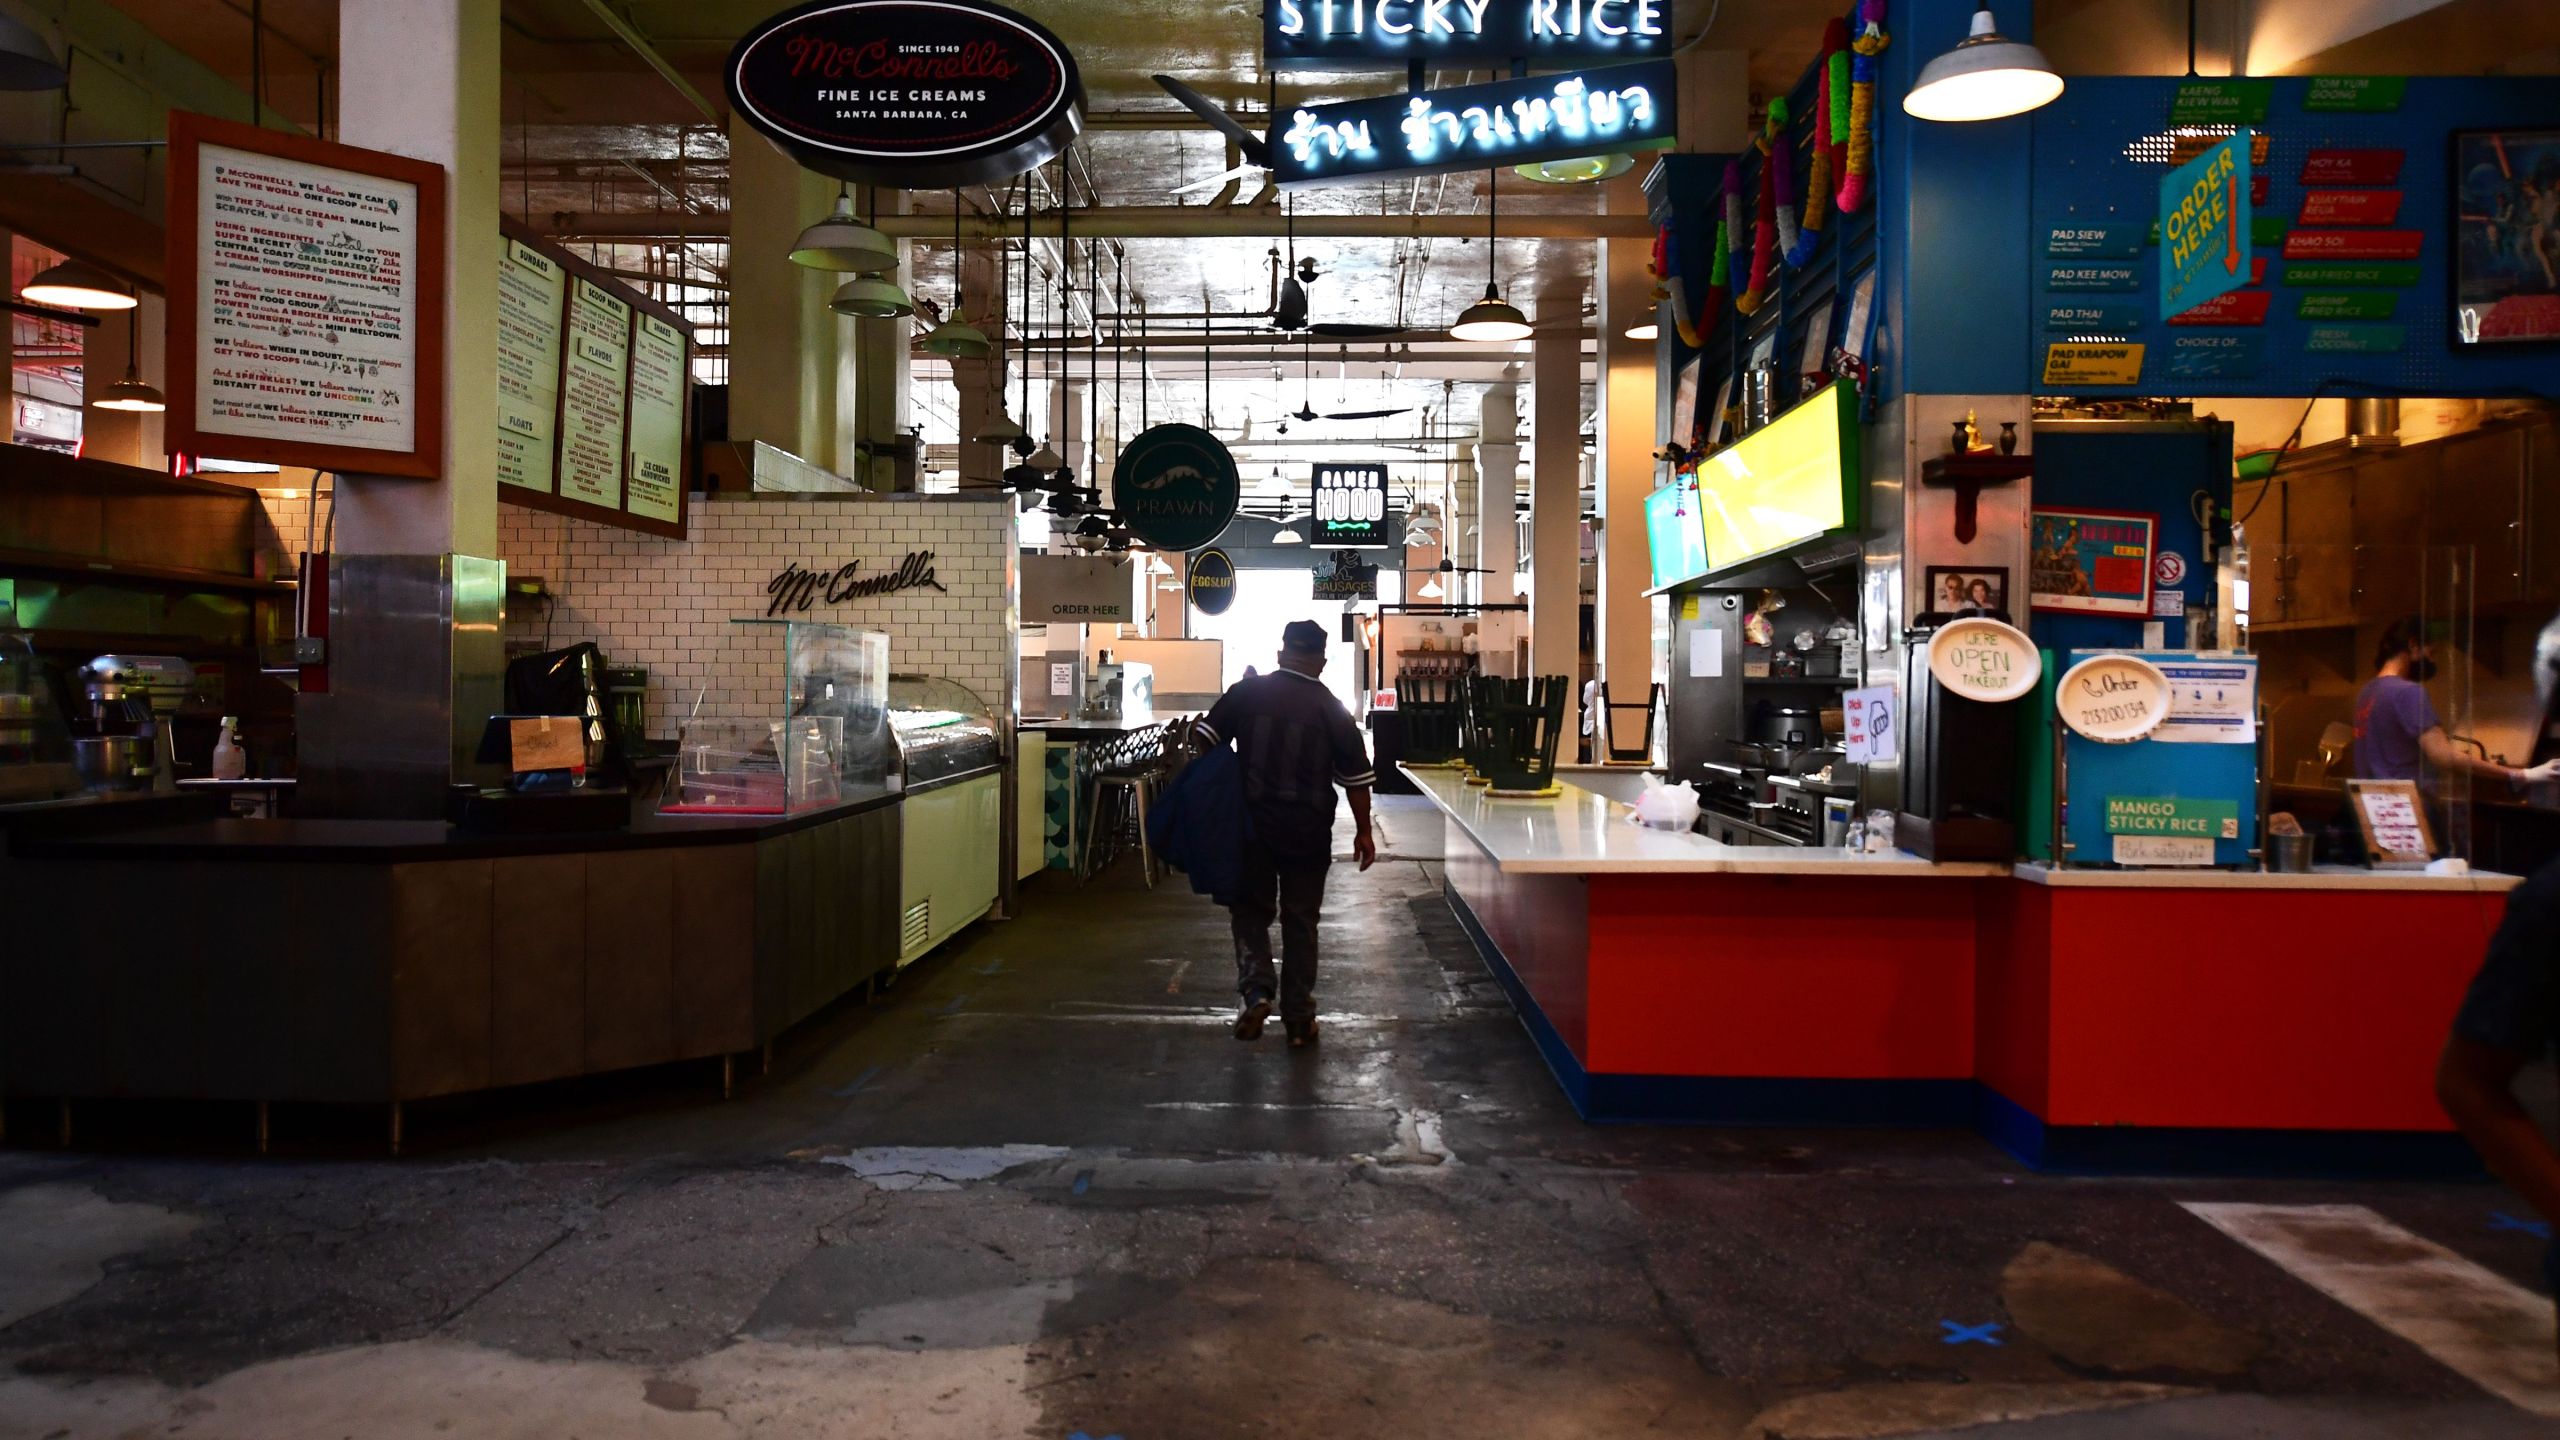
1788 481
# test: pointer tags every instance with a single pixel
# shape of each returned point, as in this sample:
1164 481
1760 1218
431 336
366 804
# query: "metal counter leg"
262 1127
396 1119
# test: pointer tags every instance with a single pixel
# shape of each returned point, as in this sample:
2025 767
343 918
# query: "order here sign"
2204 227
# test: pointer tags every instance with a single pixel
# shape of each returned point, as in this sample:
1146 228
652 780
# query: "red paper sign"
2353 244
2232 307
2257 269
2349 207
2351 167
2259 180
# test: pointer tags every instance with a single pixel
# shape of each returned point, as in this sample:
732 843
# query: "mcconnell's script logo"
796 589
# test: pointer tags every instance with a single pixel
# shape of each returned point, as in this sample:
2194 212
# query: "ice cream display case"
951 765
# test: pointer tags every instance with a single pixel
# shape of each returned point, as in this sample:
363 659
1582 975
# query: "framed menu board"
306 301
594 393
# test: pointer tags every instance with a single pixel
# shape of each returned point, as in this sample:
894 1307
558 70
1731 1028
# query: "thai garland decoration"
1859 172
1764 211
1817 188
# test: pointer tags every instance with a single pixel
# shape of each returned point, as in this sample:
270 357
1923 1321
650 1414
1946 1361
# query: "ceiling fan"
1255 150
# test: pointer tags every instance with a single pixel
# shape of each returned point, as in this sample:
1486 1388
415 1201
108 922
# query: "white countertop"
1581 833
2325 877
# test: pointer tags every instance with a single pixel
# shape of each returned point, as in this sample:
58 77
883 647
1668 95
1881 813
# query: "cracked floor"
1036 1190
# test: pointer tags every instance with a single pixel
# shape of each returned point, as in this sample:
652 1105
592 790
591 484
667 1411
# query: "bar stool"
1127 781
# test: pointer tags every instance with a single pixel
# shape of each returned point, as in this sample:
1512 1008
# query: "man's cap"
1305 636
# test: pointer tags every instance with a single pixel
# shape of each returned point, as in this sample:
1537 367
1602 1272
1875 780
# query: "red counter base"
2206 1030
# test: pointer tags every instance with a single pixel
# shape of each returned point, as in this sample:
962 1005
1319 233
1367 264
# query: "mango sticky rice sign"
2204 227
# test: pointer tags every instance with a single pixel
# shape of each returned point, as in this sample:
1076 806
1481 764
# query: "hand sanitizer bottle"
230 762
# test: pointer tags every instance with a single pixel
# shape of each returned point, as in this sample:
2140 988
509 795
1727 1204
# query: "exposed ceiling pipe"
1143 222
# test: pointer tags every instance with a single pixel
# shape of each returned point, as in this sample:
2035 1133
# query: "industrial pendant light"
1431 588
872 298
77 285
131 393
1287 534
955 338
26 62
1491 320
841 242
1986 77
1582 170
1645 330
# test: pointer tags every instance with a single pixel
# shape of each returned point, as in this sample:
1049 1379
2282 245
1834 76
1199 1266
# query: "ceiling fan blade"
1240 172
1347 330
1254 148
1366 414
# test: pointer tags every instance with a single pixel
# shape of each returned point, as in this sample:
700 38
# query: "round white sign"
1984 659
2170 568
2114 698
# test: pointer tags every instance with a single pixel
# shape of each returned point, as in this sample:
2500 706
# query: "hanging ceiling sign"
1213 582
1478 127
1350 505
2205 232
1344 576
919 94
1388 34
1176 487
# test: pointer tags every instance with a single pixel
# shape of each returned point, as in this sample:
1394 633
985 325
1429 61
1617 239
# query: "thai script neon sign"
1509 122
1356 34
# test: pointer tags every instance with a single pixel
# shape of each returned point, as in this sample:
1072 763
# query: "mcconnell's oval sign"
918 94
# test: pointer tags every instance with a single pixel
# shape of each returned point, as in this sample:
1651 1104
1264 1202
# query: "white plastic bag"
1666 807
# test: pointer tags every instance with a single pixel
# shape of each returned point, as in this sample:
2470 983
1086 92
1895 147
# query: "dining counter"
2153 1021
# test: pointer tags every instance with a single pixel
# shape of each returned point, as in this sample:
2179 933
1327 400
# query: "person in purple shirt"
2398 736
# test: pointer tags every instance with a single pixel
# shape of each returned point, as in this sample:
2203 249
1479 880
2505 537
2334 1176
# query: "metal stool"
1124 785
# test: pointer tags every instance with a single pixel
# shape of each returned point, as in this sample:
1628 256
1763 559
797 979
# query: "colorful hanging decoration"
1860 170
1764 222
1817 188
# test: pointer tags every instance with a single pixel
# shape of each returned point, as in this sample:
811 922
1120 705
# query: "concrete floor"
1037 1190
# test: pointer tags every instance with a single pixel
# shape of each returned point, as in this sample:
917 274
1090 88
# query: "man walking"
1295 743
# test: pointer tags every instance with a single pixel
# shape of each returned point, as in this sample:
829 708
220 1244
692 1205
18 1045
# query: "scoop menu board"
531 286
305 301
593 392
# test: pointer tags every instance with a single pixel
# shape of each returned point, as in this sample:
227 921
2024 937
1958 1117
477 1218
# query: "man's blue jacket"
1198 826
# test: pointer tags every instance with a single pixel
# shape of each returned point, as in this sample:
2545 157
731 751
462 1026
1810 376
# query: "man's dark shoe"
1302 1034
1257 1009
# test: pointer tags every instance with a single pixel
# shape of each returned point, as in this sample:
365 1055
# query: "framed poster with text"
2091 562
306 301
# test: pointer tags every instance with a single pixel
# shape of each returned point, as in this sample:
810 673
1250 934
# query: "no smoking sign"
2170 568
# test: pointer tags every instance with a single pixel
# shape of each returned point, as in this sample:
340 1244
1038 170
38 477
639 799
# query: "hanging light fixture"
26 61
132 393
1431 588
1047 459
1582 170
77 285
1986 77
872 298
841 242
1491 320
1645 330
1091 533
955 338
1287 534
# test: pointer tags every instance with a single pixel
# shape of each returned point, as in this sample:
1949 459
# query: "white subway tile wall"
668 604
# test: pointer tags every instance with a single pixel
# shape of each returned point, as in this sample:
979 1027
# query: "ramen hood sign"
916 94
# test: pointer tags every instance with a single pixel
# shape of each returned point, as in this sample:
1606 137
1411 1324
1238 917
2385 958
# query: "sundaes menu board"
655 477
305 309
531 287
593 392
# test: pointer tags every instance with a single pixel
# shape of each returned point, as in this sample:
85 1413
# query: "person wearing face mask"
2398 736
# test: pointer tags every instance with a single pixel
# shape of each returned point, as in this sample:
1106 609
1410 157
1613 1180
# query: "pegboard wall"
2380 319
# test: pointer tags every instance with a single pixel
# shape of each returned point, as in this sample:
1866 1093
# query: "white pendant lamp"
26 61
1988 76
1581 170
1645 330
999 431
132 393
1046 459
1491 320
842 243
1287 534
955 338
1431 589
872 298
77 285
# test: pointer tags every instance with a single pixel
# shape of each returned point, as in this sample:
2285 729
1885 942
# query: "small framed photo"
2506 240
1957 591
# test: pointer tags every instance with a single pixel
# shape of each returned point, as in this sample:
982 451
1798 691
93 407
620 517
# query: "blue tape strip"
1970 1334
2540 1230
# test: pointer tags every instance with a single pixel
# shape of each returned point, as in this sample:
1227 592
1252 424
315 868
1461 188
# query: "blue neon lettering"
1435 16
1385 27
1542 18
1293 21
1600 26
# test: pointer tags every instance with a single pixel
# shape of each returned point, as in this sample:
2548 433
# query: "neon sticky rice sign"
1509 122
1345 34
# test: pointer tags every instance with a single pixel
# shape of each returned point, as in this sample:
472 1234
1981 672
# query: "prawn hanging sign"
1477 127
2204 227
1176 487
1387 34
